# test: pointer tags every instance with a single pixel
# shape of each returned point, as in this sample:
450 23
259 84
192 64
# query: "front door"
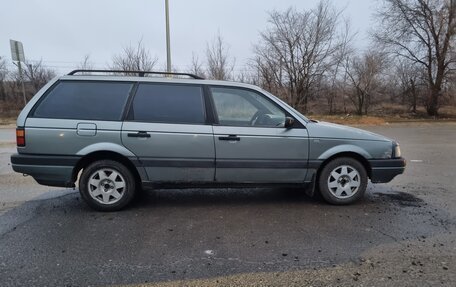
252 145
166 129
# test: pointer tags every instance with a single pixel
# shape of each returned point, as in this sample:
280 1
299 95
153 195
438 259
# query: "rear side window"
162 103
85 101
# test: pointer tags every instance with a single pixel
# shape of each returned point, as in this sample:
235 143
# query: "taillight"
20 137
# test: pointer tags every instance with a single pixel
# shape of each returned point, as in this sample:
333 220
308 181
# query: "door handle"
230 138
139 135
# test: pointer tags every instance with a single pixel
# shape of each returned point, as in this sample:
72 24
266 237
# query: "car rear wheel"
343 181
107 185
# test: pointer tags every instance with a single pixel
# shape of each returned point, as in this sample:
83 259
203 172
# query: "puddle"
401 198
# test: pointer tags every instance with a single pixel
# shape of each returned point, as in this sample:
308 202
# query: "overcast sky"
62 32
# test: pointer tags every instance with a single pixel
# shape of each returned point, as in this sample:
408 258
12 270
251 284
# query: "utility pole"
168 45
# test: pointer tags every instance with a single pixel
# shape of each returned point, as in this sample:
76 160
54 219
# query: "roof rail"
140 73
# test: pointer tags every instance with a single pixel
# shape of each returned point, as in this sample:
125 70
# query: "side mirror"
289 122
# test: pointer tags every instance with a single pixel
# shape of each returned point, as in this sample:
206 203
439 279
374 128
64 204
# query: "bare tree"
196 67
298 49
219 63
424 32
37 75
3 76
246 76
86 64
14 89
364 74
452 89
409 77
134 58
336 77
269 72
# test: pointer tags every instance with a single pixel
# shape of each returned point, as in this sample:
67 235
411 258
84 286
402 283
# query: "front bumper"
384 170
46 170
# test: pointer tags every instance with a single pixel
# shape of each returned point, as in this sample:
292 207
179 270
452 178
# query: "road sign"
17 51
17 54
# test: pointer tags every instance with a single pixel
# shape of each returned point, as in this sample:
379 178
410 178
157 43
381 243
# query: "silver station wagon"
119 134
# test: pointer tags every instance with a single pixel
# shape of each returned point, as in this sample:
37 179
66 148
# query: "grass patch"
384 119
8 121
350 120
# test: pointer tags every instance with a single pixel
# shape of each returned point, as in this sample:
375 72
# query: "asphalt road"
401 234
7 135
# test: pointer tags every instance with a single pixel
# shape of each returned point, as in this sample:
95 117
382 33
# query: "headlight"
396 150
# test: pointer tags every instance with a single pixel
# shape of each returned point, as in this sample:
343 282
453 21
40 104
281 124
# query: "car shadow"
224 196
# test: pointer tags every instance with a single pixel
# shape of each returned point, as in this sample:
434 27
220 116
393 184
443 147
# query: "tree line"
309 59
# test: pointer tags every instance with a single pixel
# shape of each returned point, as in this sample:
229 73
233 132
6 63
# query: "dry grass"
390 114
350 120
7 122
371 120
8 114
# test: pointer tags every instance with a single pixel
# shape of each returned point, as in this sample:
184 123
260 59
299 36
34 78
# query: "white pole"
21 77
168 46
21 74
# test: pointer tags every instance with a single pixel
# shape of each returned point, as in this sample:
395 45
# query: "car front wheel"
343 181
107 185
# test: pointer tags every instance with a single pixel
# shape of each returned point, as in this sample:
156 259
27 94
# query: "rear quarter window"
167 103
85 100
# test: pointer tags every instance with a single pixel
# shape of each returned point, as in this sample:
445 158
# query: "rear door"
252 144
166 129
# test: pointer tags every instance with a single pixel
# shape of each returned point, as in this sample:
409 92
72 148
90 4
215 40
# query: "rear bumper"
46 170
384 170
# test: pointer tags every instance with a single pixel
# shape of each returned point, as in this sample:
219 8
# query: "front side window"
241 107
163 103
85 101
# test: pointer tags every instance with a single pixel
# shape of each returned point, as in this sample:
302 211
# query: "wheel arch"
87 159
349 154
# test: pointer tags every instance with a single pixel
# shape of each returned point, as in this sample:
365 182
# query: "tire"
342 181
107 185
